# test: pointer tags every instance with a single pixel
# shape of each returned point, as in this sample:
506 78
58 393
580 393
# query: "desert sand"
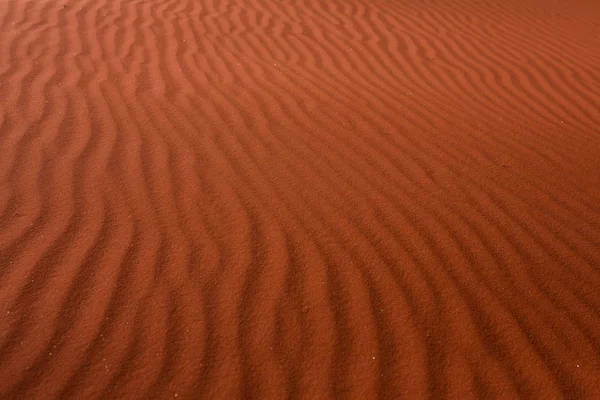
299 199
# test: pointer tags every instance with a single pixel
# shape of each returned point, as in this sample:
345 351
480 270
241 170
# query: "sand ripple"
272 199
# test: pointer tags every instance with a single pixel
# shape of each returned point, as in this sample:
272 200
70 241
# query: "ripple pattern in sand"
262 199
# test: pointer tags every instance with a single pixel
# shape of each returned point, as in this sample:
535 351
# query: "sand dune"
272 199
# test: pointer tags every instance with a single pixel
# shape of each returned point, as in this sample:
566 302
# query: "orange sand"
309 199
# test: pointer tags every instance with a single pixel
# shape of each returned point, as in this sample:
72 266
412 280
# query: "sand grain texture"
326 199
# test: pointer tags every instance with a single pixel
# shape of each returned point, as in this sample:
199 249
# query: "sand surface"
309 199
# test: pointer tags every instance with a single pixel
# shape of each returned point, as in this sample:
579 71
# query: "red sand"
299 198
